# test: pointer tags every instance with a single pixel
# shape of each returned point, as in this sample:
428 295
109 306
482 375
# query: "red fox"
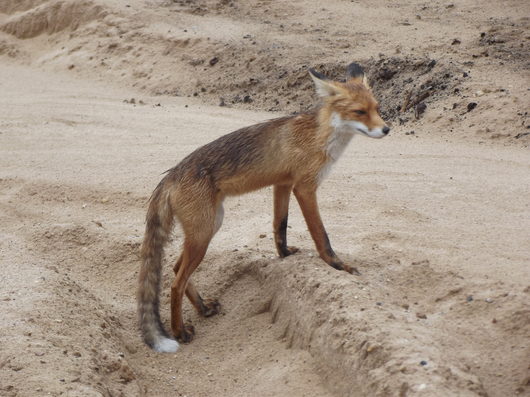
292 153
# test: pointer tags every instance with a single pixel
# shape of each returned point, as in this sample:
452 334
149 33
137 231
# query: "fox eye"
360 112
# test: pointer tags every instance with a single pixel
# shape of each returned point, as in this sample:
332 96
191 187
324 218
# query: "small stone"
423 363
421 315
488 300
262 235
371 348
419 109
213 61
469 298
471 106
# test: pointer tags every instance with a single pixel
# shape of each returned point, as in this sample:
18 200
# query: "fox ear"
355 73
323 86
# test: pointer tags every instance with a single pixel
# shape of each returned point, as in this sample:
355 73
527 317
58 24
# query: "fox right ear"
356 73
323 86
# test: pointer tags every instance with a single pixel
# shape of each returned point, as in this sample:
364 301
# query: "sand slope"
436 221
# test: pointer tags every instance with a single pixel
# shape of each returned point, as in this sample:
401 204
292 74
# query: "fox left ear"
355 73
323 86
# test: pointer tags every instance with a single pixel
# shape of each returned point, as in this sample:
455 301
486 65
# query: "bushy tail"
158 226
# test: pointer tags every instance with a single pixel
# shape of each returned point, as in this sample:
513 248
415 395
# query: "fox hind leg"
205 307
198 231
192 255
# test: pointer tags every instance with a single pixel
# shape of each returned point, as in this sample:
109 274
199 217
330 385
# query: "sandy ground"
435 216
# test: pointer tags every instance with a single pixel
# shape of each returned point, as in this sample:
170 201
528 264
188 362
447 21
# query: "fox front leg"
307 199
281 211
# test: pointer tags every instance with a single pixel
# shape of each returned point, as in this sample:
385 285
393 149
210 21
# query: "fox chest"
335 146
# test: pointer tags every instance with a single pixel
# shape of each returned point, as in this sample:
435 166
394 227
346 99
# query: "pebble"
423 363
488 300
469 298
471 106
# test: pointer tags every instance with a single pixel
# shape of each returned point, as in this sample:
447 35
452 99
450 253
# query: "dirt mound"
50 17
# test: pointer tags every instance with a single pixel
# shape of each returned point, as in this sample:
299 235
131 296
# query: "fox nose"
386 130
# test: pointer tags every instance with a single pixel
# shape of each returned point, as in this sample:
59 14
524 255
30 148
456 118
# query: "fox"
292 153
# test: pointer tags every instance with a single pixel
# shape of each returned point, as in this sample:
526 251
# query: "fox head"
352 105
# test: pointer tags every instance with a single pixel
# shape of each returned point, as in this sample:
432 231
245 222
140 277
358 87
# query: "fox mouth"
376 133
354 126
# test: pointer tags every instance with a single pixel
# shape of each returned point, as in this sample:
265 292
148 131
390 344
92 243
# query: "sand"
97 99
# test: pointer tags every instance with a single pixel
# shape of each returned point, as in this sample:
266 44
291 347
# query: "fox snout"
379 132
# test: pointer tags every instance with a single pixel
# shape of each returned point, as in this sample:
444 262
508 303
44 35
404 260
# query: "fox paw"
352 270
210 307
186 334
288 251
346 268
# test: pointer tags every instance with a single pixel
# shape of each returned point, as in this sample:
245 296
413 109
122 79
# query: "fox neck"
338 136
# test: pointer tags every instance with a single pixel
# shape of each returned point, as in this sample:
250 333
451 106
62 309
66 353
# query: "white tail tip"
166 345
